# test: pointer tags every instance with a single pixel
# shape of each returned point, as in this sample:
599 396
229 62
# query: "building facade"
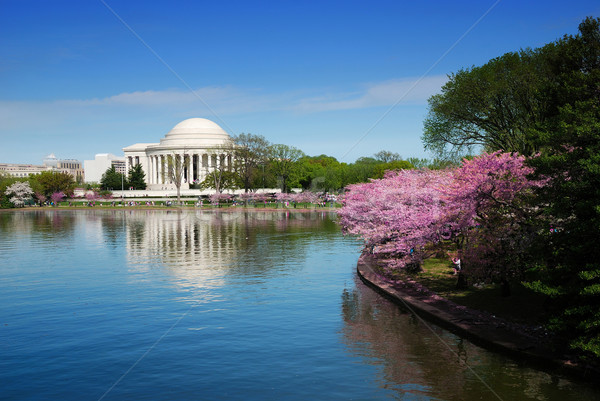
94 169
22 170
51 163
201 143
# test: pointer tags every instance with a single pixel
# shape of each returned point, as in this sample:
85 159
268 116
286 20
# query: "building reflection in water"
205 249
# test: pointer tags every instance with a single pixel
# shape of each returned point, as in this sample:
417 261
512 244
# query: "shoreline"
228 209
481 328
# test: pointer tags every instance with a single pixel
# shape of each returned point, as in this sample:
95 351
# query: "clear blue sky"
342 78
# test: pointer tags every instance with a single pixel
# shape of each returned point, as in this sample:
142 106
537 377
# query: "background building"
203 143
51 163
22 170
102 162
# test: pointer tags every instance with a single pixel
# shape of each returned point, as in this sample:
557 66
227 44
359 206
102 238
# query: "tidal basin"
194 305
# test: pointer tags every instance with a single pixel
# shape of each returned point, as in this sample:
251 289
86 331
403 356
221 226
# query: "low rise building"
22 170
94 169
50 163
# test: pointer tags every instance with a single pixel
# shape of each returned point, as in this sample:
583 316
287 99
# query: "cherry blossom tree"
92 195
219 197
397 216
259 197
490 216
57 197
283 197
40 197
306 197
21 191
482 206
246 197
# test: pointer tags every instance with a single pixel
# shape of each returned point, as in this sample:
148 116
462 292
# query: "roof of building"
195 132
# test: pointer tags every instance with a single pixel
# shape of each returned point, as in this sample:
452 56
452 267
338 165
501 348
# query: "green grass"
523 305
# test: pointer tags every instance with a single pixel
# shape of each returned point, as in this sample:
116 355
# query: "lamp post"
122 189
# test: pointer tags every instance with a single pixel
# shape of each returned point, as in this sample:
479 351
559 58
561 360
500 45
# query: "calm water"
152 305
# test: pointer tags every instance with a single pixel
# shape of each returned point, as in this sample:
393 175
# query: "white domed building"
201 142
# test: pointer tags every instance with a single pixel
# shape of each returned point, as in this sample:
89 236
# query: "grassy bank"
522 306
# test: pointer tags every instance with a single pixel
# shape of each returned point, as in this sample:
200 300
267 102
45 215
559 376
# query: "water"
155 305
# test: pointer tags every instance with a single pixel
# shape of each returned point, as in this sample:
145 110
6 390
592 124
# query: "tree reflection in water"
386 334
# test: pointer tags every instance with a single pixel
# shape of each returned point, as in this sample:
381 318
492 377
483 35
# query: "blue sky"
342 78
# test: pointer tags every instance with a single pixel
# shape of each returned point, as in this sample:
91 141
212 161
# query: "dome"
195 132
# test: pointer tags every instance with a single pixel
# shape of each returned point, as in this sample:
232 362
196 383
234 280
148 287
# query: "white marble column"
152 168
191 180
149 172
157 176
160 169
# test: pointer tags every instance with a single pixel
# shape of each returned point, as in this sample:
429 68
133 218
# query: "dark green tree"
491 107
112 180
283 163
6 180
363 169
570 158
137 177
320 173
543 102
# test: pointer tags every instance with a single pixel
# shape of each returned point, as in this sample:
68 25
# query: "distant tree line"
257 163
37 188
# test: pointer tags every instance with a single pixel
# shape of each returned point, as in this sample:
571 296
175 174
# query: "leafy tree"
111 179
250 154
545 100
320 173
6 180
137 177
570 157
491 107
418 162
361 170
283 162
53 181
220 181
221 177
385 156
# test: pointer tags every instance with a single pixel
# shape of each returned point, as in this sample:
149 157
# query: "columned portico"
201 145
